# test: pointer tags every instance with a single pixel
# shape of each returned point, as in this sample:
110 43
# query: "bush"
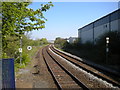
60 43
4 55
114 43
97 52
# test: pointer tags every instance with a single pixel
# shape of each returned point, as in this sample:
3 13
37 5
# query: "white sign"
29 47
107 39
20 49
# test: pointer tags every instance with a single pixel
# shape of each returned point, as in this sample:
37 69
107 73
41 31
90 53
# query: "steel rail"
63 68
50 70
90 64
96 74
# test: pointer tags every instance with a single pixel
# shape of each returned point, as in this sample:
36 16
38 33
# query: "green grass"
27 56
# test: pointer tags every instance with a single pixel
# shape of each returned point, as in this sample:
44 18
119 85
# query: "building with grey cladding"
94 30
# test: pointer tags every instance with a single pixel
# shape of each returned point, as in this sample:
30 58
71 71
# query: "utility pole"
20 50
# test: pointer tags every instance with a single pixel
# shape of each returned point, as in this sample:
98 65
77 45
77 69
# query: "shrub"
97 52
60 43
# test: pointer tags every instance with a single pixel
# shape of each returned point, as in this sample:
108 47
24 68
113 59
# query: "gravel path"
31 78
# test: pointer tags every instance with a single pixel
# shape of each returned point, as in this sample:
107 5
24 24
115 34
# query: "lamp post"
107 48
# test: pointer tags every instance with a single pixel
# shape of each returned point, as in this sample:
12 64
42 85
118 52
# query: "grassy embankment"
27 56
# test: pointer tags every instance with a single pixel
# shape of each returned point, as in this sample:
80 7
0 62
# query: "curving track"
71 73
62 77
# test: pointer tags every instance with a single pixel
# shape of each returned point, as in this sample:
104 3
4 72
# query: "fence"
8 76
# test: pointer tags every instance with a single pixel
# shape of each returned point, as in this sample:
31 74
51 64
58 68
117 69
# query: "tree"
60 43
43 41
17 19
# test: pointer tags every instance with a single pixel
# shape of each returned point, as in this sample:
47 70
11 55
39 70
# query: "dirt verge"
35 75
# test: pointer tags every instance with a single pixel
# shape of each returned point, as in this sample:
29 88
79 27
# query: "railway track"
69 73
86 67
62 77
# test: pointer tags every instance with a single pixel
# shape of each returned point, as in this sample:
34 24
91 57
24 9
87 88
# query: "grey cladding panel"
88 27
102 21
114 16
119 14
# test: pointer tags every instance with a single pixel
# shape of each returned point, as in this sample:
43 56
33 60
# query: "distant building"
72 39
92 31
51 41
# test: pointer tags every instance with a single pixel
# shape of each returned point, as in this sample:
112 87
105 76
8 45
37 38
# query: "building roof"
99 19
